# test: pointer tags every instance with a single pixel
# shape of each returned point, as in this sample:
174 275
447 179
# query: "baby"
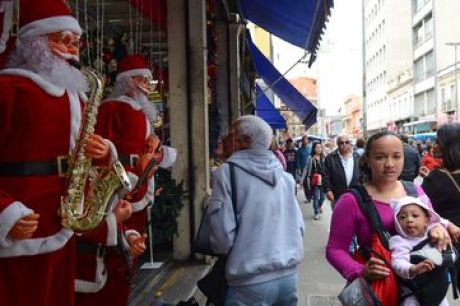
414 217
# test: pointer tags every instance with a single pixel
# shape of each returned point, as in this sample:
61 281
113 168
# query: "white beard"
147 107
34 54
126 87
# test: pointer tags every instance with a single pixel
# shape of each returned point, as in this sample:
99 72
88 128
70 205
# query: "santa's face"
65 44
143 83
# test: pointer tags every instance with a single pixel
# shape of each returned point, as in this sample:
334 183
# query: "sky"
338 67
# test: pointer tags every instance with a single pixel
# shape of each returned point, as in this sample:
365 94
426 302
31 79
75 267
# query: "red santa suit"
35 271
123 121
39 123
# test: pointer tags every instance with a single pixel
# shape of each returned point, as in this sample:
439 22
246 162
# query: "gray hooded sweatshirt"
268 244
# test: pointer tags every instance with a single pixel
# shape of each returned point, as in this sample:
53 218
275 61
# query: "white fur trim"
135 72
133 178
132 232
8 218
75 118
148 129
148 197
36 246
128 100
113 150
6 7
50 25
99 281
169 157
83 96
49 88
111 230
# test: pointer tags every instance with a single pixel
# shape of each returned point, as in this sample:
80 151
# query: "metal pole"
455 76
455 45
364 123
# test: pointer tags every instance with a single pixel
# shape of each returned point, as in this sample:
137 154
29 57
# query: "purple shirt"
348 220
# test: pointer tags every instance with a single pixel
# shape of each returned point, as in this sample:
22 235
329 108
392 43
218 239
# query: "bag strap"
233 187
410 188
451 178
370 212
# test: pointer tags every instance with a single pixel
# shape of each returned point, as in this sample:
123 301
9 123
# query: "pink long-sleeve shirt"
348 220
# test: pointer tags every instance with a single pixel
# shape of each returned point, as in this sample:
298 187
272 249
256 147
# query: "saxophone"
90 189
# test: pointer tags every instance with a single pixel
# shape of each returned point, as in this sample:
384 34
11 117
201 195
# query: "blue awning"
300 22
267 111
293 99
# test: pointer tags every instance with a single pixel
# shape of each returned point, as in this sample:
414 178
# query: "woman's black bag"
214 285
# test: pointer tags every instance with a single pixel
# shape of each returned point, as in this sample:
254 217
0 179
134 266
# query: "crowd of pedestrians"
384 167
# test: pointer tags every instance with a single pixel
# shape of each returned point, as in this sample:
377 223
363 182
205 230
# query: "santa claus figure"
126 119
41 100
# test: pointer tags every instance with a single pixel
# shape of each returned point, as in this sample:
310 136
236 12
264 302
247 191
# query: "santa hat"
38 17
133 65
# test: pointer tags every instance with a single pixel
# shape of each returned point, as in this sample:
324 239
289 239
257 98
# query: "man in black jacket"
411 161
340 169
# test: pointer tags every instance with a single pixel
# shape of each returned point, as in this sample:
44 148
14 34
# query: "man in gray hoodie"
264 245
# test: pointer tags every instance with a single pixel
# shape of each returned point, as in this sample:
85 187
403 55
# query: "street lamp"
455 45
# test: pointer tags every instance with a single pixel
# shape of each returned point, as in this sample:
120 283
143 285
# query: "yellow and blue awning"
299 22
288 94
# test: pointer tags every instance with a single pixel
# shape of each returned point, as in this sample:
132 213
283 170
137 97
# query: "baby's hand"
420 268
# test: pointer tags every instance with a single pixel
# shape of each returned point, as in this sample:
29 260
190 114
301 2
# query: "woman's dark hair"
360 143
448 139
313 146
365 173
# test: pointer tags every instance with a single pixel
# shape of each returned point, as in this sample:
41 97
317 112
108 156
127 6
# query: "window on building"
418 34
418 70
428 26
419 104
429 59
431 101
418 4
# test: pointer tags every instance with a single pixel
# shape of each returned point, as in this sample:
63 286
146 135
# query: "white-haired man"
126 119
264 245
41 98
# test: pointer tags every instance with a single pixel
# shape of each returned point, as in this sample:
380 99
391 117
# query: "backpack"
386 289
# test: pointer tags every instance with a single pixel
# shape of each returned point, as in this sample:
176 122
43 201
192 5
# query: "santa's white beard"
35 54
146 106
126 87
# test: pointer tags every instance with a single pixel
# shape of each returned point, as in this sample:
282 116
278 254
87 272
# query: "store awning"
300 22
290 96
267 111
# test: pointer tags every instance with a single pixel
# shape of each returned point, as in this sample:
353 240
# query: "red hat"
133 65
44 17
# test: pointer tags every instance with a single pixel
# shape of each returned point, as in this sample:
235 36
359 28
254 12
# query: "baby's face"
413 220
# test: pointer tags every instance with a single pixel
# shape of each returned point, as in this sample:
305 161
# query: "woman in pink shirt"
382 165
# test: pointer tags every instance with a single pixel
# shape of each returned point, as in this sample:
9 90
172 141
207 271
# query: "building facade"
352 120
388 60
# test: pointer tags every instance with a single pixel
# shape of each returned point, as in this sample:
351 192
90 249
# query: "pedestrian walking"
263 244
340 170
303 163
315 178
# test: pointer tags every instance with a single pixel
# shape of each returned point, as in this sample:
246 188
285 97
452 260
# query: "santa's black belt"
58 166
128 159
